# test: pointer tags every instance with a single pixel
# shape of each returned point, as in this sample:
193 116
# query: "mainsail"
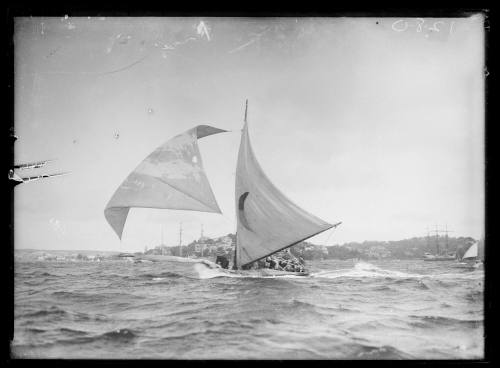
171 177
471 252
267 221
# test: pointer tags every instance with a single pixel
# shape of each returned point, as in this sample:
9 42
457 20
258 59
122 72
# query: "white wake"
363 269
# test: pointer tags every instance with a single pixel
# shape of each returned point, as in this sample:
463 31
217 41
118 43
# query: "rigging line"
227 219
231 131
331 232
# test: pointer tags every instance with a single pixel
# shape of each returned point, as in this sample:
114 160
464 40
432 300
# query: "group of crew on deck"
281 261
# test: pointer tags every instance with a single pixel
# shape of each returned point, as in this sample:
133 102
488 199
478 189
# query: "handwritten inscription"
420 25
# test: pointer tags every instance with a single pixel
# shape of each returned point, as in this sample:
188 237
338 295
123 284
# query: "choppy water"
344 310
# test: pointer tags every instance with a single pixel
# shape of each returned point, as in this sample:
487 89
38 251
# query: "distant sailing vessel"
470 258
172 177
439 255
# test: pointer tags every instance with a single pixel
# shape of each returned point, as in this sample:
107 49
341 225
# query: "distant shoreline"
71 250
405 249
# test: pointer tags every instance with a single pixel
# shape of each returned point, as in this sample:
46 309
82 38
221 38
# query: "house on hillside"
378 252
163 250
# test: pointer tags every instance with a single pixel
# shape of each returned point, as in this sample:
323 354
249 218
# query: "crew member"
222 259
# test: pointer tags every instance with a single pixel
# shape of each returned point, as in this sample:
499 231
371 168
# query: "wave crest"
433 321
365 270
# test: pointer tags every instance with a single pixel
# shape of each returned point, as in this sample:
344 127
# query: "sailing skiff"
172 177
470 258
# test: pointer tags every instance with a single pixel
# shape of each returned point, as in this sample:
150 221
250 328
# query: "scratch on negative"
125 67
249 42
243 46
99 73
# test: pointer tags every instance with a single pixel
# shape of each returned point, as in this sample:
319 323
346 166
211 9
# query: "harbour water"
172 310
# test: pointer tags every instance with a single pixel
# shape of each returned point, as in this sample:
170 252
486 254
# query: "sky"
375 122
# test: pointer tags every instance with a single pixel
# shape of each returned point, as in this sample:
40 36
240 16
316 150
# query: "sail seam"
187 194
134 195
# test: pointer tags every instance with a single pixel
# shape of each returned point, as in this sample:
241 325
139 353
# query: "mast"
162 247
246 110
437 231
202 241
180 239
437 240
427 238
446 238
235 266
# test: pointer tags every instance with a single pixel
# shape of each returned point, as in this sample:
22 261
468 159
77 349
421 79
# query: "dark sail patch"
241 211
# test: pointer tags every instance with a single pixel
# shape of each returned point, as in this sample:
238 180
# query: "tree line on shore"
413 248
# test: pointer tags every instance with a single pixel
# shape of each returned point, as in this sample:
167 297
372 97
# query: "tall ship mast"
180 240
439 255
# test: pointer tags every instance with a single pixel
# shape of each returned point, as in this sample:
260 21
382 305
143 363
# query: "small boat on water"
126 257
172 177
438 257
470 258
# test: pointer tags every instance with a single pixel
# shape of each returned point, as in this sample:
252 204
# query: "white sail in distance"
267 221
471 252
171 177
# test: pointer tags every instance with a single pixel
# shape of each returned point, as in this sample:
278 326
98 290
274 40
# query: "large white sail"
267 221
171 177
471 252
